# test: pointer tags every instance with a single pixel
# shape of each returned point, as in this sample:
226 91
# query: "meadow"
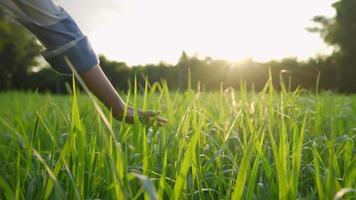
228 144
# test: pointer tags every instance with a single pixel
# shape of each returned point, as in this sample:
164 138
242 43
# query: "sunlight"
139 32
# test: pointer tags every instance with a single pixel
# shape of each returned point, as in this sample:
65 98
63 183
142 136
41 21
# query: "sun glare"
140 32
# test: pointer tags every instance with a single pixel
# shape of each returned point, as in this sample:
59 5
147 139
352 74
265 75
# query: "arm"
62 38
101 87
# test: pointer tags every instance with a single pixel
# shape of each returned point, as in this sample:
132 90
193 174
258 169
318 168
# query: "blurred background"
210 42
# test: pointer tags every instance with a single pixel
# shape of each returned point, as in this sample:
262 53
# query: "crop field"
228 144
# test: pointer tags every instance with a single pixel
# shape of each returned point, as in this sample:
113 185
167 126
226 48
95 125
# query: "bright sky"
149 31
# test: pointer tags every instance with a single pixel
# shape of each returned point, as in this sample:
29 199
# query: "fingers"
162 120
149 117
151 113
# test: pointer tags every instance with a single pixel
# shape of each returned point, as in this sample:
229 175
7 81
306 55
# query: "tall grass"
218 145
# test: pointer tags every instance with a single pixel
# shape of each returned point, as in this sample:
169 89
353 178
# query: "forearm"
97 82
100 86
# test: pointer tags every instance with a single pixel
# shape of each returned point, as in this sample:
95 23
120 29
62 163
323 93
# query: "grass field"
218 145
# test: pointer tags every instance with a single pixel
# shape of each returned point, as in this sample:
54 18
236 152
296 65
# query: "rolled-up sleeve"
58 33
79 52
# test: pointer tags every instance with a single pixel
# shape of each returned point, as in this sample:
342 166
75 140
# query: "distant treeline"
207 74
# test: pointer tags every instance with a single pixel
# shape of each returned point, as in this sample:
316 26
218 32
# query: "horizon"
140 33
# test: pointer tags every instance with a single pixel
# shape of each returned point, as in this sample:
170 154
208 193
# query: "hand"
100 86
148 116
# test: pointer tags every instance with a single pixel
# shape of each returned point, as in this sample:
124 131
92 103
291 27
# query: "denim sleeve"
58 33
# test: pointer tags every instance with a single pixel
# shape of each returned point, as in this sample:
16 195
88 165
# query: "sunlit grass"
218 145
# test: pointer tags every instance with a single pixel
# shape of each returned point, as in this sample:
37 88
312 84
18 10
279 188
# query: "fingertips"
151 113
157 119
162 121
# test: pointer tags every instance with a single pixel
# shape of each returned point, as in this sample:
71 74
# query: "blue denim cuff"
55 35
79 52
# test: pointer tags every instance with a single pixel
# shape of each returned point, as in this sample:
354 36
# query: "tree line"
204 74
19 51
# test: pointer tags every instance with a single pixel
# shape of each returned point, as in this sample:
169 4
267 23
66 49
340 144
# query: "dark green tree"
340 32
18 52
